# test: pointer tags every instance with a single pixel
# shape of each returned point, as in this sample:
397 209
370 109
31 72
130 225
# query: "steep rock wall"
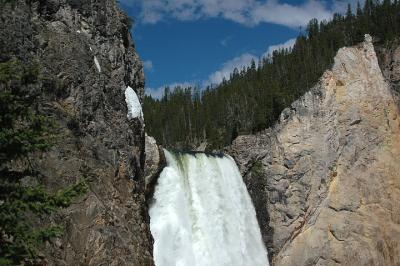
325 180
87 59
389 61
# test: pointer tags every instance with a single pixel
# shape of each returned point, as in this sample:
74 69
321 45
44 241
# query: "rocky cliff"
325 179
87 60
389 61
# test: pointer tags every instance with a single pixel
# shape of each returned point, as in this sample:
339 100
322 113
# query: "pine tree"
24 133
252 99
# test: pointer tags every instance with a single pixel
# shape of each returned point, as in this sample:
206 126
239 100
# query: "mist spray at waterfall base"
202 214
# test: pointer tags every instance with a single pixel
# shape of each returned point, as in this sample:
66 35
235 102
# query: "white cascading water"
202 214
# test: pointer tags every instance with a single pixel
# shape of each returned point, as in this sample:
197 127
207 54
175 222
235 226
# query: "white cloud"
157 93
286 45
241 61
340 6
289 15
247 12
227 68
148 65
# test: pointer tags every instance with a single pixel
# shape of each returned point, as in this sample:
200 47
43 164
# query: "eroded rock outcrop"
87 60
154 164
325 181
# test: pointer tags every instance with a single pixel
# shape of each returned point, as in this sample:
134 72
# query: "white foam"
203 215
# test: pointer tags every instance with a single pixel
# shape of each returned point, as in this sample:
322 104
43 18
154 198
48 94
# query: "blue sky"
198 42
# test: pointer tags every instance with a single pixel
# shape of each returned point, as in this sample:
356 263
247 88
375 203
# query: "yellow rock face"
328 192
358 222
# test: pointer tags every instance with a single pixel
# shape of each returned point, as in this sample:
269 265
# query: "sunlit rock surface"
325 180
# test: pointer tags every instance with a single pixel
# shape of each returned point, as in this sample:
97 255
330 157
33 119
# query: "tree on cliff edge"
23 134
253 98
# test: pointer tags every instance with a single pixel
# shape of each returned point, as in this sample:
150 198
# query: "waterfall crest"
202 214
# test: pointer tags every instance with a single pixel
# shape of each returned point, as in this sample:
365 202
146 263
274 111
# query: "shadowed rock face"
87 59
154 164
389 60
325 180
390 64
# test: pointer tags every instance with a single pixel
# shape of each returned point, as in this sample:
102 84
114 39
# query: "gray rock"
109 225
154 164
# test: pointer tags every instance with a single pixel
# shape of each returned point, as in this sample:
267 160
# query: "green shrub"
24 133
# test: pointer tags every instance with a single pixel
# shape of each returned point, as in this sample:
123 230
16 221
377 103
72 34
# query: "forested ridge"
252 99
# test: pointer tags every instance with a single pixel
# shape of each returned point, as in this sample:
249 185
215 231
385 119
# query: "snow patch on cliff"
96 62
133 104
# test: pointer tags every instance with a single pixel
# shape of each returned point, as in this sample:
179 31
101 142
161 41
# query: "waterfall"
202 214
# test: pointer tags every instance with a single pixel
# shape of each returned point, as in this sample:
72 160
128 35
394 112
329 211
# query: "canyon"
324 180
